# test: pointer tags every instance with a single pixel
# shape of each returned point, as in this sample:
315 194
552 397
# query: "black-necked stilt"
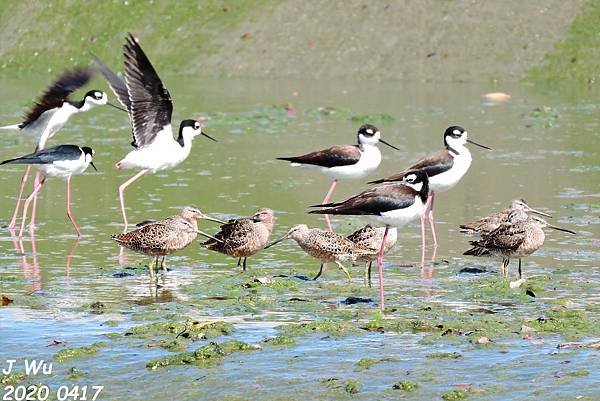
492 221
345 161
61 161
50 113
388 204
150 108
444 168
520 236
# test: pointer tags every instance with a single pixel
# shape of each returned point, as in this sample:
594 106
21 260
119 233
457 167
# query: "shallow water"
546 150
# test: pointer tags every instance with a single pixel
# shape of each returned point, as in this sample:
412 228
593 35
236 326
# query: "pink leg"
69 214
34 206
380 267
427 204
13 221
122 195
431 222
27 202
326 200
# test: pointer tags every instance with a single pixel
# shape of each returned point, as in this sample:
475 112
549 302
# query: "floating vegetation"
67 354
190 330
204 356
405 385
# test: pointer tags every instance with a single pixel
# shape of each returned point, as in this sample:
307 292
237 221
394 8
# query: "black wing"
433 164
331 157
58 92
48 155
116 84
151 105
374 201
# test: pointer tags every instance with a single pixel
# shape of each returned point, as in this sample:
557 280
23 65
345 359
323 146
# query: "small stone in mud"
356 300
474 270
405 385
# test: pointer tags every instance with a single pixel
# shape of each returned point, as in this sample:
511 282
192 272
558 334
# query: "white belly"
448 179
49 123
159 155
63 169
400 217
368 162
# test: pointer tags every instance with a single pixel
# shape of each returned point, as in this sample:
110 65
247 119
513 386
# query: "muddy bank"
425 40
351 39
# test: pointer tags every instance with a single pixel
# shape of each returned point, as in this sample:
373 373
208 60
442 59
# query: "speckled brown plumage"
163 237
245 236
371 237
520 236
326 246
491 222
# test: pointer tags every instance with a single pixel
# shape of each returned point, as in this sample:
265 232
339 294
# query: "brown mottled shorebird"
243 237
371 237
163 237
521 236
326 246
489 223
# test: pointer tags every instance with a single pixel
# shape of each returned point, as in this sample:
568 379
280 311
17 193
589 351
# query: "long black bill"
561 229
116 107
532 210
388 144
208 236
92 163
478 144
208 136
275 242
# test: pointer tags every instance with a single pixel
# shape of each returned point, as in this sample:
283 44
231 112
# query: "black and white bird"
344 162
50 113
444 168
61 161
388 204
150 108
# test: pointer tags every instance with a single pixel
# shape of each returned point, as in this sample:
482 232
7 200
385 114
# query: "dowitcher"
150 108
389 204
163 237
521 236
243 237
326 246
444 168
489 223
61 161
345 161
50 112
371 237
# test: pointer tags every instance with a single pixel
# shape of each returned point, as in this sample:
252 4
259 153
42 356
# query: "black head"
417 180
95 95
194 127
453 132
87 151
367 130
